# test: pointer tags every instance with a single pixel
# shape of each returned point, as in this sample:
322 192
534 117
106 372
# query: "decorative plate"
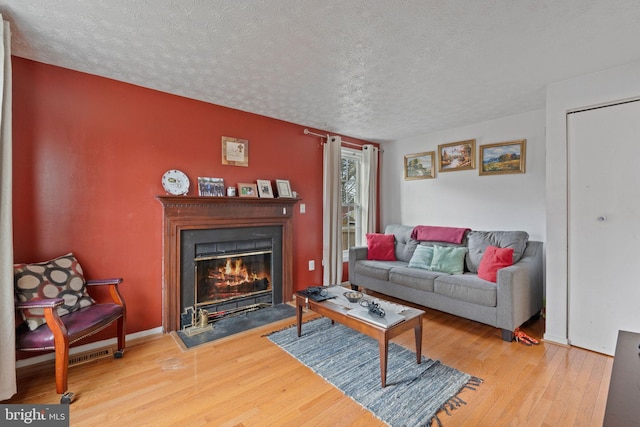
175 182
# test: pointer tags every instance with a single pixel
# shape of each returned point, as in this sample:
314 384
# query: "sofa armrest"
520 289
356 253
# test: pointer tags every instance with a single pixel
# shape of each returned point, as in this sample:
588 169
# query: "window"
351 201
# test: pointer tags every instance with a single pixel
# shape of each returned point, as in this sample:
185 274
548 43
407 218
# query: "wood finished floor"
246 380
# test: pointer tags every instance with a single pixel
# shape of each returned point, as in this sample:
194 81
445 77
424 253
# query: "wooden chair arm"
60 336
101 282
113 288
41 303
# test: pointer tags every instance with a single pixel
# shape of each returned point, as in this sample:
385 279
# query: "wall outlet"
303 208
312 265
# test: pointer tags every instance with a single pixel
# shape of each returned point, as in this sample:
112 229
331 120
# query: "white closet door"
604 225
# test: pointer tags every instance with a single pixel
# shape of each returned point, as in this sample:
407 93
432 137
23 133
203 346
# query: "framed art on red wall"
235 152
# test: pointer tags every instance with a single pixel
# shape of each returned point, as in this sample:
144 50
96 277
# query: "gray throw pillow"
479 240
405 245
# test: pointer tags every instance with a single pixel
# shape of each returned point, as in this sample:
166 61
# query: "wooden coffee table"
338 313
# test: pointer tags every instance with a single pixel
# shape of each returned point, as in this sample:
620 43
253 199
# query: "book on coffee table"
387 321
315 296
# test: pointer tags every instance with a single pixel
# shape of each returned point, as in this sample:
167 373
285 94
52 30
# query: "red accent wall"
89 154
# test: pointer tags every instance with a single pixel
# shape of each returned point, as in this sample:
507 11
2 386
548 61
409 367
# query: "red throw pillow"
494 259
381 247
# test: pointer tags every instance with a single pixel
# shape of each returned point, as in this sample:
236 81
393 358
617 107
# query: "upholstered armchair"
58 312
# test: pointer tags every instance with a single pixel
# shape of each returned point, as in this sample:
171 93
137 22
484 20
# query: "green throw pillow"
448 259
422 257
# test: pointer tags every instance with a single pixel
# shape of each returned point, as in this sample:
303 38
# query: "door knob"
602 218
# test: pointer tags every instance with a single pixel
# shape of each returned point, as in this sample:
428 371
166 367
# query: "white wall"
463 198
535 201
601 88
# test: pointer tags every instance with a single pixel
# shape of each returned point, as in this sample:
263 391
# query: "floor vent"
89 356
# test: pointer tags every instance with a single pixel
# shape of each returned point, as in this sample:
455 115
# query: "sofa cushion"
415 278
493 260
467 287
61 277
478 241
405 245
381 247
377 269
448 259
422 257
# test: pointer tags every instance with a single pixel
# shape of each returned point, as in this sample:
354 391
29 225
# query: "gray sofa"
512 300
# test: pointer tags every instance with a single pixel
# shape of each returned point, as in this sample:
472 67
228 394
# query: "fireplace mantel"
192 212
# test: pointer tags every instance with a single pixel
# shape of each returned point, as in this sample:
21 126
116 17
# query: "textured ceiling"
378 70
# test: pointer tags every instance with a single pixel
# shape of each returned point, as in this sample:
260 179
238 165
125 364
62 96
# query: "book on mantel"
387 321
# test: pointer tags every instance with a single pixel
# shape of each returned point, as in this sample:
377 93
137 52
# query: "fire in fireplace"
220 278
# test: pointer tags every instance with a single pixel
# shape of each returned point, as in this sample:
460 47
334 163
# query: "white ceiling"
378 70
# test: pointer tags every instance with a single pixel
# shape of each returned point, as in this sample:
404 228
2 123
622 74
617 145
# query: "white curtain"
332 212
369 189
7 313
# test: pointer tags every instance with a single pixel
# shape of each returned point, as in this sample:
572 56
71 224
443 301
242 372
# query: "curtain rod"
308 132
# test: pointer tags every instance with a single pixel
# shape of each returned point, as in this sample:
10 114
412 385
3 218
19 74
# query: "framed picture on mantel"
247 190
284 188
210 186
264 188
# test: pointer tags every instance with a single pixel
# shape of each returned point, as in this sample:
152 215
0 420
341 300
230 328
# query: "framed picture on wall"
503 157
235 152
457 156
419 166
264 188
284 188
247 190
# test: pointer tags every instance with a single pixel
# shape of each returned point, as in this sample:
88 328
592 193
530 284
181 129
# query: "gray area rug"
240 323
349 360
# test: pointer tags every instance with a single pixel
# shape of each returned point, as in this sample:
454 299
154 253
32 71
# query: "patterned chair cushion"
61 277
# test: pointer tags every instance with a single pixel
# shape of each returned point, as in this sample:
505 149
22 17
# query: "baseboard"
85 348
556 340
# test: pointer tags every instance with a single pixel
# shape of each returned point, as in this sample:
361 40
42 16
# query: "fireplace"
200 232
229 270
